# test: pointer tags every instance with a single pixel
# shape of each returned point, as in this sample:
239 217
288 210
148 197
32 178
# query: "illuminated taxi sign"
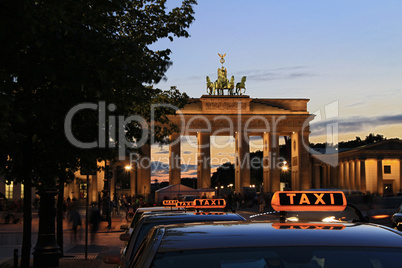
170 203
185 204
308 226
308 201
209 203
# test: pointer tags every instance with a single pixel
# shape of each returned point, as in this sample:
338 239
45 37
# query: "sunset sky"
344 54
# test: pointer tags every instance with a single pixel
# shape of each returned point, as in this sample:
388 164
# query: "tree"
58 54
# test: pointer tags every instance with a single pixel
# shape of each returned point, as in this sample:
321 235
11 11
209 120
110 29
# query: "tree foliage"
57 54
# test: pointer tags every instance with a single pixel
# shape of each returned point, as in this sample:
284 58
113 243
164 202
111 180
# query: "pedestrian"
261 201
94 220
75 220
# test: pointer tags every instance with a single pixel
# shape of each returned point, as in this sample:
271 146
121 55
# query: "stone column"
363 186
352 181
328 167
242 165
266 139
341 176
295 161
94 188
174 159
357 175
275 172
317 176
324 176
380 181
400 174
346 175
144 171
204 161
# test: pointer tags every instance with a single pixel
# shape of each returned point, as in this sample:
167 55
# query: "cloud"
354 124
283 73
161 152
159 168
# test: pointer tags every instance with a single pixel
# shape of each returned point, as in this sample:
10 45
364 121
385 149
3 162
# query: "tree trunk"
60 214
27 226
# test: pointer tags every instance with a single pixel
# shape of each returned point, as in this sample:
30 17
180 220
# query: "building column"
275 172
341 175
94 188
352 180
204 161
242 164
324 176
334 177
363 186
346 175
267 140
357 175
174 159
400 174
328 167
380 181
304 161
295 161
144 171
317 176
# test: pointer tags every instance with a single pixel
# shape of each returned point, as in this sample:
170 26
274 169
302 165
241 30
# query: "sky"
345 56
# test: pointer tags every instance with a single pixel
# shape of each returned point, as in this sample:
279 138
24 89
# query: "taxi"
286 242
397 219
148 221
168 206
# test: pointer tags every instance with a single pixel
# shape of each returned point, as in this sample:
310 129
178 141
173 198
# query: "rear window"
261 257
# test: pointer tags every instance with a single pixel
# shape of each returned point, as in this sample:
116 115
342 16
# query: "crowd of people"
238 201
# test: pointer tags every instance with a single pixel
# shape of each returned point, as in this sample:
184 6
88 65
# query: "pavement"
106 240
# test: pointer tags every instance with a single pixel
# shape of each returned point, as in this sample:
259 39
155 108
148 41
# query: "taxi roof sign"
309 201
185 204
209 203
170 203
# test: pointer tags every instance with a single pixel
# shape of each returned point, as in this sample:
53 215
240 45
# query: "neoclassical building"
374 168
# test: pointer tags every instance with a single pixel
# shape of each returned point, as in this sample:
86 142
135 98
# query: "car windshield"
260 257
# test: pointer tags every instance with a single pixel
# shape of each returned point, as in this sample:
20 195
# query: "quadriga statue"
240 86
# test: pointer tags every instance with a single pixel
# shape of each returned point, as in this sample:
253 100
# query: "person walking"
75 220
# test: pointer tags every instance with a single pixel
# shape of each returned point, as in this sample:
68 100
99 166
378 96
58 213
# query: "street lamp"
128 167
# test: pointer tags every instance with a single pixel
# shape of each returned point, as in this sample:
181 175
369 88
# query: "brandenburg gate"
237 115
242 117
227 111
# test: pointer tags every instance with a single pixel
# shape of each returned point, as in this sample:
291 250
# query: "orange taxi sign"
171 203
209 203
308 201
185 204
308 226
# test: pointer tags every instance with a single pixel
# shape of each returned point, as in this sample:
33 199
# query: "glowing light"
292 219
330 219
380 217
127 167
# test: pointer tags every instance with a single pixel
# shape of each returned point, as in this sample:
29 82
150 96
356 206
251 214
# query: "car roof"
143 209
191 216
264 234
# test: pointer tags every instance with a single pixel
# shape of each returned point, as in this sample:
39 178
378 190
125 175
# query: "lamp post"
46 252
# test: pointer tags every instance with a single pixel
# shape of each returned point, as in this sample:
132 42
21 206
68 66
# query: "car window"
261 257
